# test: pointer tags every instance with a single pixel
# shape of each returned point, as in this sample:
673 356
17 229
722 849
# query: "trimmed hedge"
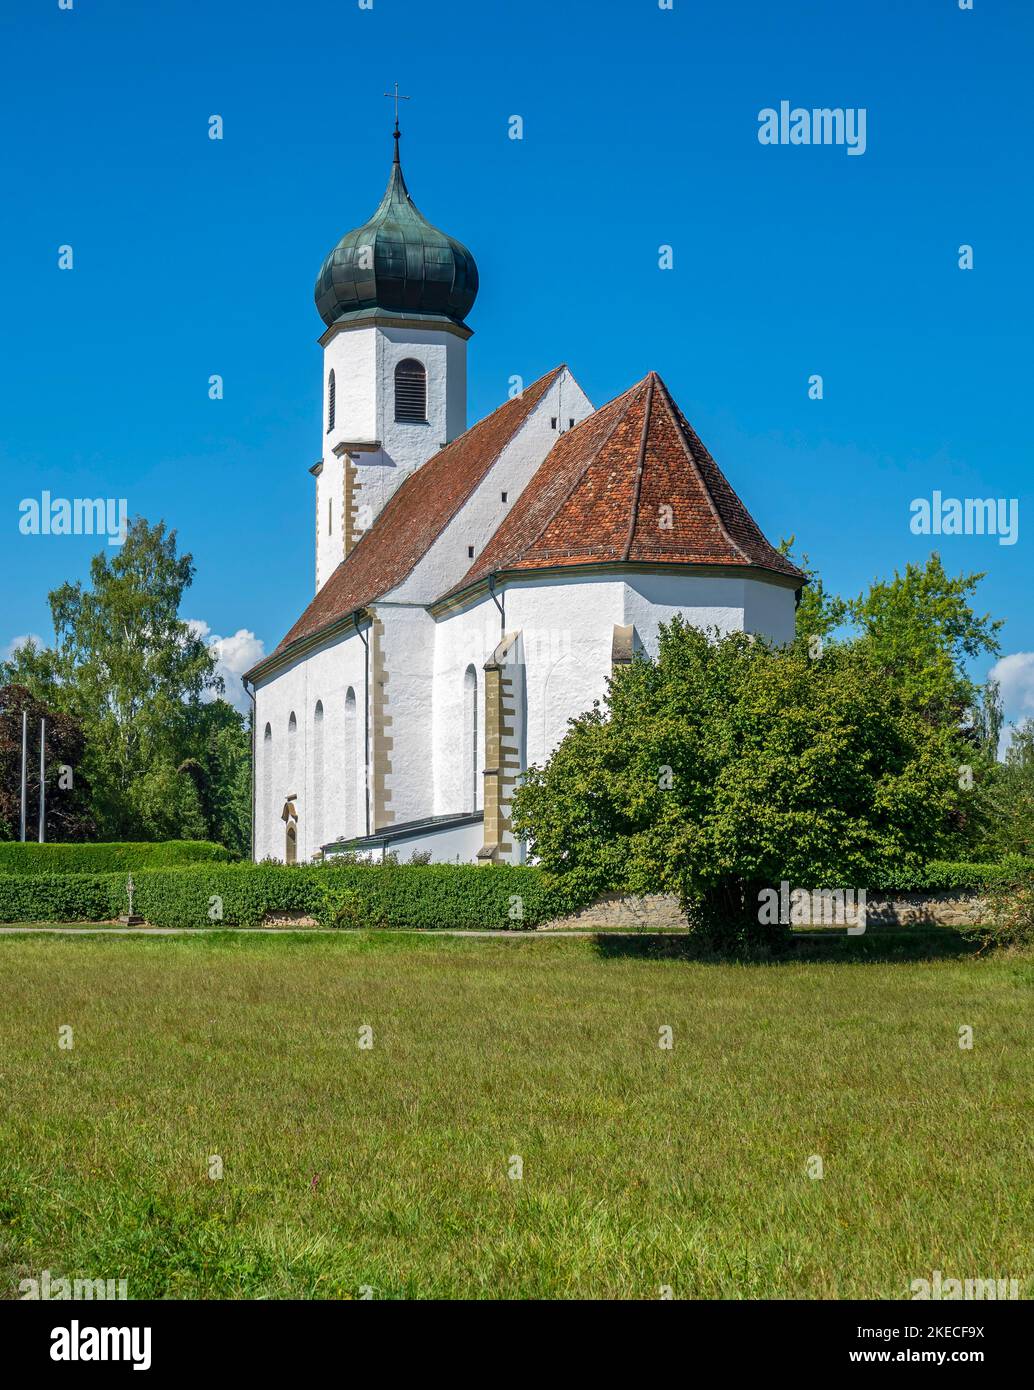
391 895
947 876
61 897
16 858
405 895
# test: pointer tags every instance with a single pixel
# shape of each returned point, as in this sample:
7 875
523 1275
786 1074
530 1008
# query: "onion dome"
397 262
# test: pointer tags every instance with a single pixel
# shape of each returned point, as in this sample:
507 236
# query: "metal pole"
25 766
42 779
254 756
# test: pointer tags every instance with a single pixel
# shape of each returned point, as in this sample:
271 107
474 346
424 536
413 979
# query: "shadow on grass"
908 944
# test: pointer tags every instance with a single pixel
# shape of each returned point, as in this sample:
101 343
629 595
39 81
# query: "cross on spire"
397 97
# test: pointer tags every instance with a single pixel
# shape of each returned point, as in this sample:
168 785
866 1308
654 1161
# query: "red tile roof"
416 515
632 482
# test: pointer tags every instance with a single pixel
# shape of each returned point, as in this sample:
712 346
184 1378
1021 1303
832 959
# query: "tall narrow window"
352 826
469 751
411 391
292 754
317 777
331 400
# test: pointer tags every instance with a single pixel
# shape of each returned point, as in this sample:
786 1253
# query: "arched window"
292 754
268 809
317 777
411 391
469 750
352 826
331 400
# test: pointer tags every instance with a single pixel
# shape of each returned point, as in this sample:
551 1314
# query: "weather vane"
397 98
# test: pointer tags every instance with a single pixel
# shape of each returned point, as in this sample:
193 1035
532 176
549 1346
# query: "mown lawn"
387 1168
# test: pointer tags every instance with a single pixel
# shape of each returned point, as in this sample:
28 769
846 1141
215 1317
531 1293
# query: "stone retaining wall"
936 909
660 912
288 919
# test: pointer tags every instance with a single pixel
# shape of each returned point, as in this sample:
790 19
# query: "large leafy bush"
727 766
1009 920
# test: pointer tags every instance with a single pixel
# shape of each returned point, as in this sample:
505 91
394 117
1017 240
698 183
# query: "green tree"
67 807
819 613
727 766
142 684
1009 798
921 629
220 769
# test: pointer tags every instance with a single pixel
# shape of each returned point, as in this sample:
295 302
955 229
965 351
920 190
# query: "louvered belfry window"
331 401
411 391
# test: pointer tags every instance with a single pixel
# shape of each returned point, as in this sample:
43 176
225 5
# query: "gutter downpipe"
502 612
356 617
254 770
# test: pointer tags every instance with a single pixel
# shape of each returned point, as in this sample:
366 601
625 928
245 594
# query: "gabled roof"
415 516
631 483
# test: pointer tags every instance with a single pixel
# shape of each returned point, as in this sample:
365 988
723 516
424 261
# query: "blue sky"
194 257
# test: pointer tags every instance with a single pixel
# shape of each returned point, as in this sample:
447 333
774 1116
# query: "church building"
474 588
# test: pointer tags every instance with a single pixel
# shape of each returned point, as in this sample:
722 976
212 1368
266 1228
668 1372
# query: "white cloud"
17 642
1015 675
233 656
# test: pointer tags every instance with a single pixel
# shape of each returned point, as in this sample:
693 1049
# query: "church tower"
394 294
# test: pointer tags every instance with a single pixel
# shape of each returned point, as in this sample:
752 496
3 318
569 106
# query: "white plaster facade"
564 657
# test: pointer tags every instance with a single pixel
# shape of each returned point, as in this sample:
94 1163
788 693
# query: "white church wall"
567 632
352 355
728 603
407 645
444 357
771 610
330 519
324 676
484 512
467 638
704 601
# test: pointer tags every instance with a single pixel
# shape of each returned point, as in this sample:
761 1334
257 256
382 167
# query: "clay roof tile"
631 483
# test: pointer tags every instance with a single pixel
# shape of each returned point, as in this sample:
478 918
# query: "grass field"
388 1167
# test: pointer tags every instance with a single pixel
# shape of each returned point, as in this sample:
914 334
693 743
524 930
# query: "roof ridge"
549 378
640 462
674 415
619 415
475 481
